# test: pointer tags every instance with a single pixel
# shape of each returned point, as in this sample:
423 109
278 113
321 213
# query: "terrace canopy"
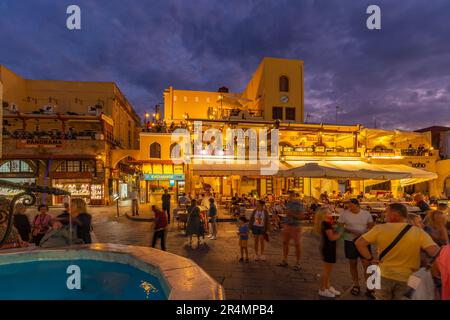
357 170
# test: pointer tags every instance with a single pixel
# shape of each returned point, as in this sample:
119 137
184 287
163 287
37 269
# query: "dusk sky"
399 75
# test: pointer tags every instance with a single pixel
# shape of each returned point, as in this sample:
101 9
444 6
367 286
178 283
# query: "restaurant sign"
148 176
40 143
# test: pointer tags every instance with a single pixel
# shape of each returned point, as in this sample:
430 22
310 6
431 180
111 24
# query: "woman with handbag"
259 225
194 224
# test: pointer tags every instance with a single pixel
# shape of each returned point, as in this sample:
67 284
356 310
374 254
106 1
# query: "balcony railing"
416 152
319 152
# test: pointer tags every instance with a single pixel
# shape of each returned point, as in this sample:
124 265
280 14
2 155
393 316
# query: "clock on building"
284 99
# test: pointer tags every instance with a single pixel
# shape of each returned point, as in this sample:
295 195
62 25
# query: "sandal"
247 261
296 268
283 264
370 294
241 260
356 290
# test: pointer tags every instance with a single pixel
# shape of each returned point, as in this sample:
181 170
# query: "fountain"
106 271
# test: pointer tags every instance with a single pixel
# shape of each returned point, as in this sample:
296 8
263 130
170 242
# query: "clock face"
284 99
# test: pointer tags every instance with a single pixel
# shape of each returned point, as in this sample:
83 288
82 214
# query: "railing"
416 152
381 153
309 152
28 198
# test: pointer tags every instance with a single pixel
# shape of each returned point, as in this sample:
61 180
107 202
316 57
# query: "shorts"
243 243
258 231
351 252
329 254
291 232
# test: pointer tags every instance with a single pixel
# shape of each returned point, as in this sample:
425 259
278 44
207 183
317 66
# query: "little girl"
243 238
323 225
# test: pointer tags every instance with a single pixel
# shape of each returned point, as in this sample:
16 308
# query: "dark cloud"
399 75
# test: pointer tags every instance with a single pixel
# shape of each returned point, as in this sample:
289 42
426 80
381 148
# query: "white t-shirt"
355 221
259 219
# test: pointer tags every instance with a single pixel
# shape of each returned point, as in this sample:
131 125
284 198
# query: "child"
323 224
243 238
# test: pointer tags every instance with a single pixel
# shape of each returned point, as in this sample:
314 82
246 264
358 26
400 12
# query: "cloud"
396 75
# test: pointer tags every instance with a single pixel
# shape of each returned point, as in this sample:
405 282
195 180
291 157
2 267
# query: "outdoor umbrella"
315 170
366 174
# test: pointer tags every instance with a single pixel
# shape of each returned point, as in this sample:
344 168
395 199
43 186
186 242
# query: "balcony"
319 152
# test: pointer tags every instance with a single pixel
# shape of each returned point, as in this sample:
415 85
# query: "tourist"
64 217
194 223
159 227
360 196
443 263
212 219
259 225
420 202
235 200
41 224
183 201
13 240
134 202
243 231
166 204
323 225
415 220
323 196
294 210
21 222
355 222
436 226
403 259
81 219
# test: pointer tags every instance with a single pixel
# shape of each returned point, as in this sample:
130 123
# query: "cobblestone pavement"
219 258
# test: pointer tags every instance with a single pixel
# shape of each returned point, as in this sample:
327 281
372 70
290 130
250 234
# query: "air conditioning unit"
49 109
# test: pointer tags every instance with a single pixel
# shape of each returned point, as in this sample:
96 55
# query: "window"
284 84
74 166
208 100
277 113
290 114
175 98
175 151
185 99
155 150
196 99
15 166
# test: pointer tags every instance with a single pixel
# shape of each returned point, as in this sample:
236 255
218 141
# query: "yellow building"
62 133
274 92
272 99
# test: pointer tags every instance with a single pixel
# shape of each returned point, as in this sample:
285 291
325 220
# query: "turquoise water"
47 280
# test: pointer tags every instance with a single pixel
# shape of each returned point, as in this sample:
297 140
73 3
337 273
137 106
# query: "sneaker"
262 258
213 238
334 291
326 293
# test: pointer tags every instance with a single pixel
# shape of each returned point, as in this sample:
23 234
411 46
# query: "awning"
365 171
318 170
234 167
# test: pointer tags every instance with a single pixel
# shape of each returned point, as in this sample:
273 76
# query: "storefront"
157 177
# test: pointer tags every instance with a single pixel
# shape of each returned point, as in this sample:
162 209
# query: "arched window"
15 166
284 84
175 151
155 150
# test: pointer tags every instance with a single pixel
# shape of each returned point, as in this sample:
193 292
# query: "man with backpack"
398 246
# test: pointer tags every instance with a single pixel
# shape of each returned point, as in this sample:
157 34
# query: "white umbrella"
314 170
382 175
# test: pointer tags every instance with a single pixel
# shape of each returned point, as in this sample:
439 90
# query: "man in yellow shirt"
403 259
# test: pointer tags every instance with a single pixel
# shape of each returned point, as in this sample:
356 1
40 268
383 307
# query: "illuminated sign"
148 176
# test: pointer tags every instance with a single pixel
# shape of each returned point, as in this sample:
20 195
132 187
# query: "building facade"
274 99
62 134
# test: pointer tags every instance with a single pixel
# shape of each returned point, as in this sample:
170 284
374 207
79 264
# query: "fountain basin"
108 272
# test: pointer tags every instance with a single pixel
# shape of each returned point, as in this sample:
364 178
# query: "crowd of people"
45 230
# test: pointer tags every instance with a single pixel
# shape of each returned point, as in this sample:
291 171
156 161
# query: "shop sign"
148 176
418 165
40 143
